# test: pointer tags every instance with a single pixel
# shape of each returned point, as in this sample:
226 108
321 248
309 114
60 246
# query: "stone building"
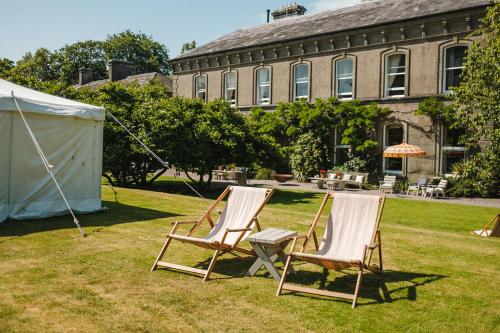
392 52
122 71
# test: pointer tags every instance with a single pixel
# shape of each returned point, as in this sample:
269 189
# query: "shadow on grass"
285 197
117 213
378 288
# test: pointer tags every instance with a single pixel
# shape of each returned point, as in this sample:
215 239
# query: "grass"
439 277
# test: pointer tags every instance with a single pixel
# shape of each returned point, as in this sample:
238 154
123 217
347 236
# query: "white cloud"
321 5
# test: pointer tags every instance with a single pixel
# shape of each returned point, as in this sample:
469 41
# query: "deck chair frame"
376 244
219 247
495 229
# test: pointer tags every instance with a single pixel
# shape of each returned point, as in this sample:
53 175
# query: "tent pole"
48 167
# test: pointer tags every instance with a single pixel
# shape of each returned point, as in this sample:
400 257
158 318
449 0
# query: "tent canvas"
71 136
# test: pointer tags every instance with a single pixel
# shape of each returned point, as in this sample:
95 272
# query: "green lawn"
439 278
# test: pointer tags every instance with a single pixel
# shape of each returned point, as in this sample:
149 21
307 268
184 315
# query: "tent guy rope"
46 163
165 164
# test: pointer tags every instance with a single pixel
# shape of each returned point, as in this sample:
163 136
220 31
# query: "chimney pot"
119 69
84 75
288 10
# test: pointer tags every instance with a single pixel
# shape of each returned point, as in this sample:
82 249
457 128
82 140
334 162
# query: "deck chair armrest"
184 222
373 245
298 237
239 230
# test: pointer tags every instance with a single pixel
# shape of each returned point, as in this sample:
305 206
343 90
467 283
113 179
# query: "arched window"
301 81
263 86
395 75
344 79
454 58
230 86
393 135
200 87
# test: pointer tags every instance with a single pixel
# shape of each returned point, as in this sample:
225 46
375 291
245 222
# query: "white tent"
69 133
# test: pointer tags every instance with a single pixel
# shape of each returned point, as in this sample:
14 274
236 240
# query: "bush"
306 157
263 173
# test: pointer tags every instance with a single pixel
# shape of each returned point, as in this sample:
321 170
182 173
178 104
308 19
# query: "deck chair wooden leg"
380 254
211 266
358 284
283 276
162 252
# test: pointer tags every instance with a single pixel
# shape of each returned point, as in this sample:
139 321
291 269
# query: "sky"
29 24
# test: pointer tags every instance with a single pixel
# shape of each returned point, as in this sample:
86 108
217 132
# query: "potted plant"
322 173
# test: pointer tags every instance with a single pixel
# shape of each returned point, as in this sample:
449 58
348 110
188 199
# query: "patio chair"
418 186
436 190
237 220
351 235
486 231
387 184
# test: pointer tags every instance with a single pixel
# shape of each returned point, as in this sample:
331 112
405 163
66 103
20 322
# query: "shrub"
306 157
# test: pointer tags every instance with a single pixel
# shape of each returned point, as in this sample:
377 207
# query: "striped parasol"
404 150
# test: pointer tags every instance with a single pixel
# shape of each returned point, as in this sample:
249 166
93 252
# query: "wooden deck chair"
493 232
236 222
351 235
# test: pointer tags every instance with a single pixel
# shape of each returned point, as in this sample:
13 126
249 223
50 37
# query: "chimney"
119 69
268 11
289 10
84 75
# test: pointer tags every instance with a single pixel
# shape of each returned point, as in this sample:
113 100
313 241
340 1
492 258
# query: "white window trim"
445 69
384 140
233 102
299 81
387 74
196 90
447 148
337 145
337 79
258 86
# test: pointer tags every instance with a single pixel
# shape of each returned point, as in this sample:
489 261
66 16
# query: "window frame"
386 145
195 86
338 145
257 87
336 78
307 81
448 148
444 68
234 102
386 75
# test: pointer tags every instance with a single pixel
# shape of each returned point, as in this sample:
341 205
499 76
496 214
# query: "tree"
5 66
307 156
146 54
42 66
88 54
476 105
186 47
199 137
139 109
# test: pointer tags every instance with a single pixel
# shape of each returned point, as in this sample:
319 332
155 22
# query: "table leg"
267 262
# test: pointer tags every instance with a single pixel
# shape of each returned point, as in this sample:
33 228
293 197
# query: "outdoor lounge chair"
236 222
436 190
418 186
388 184
486 231
351 235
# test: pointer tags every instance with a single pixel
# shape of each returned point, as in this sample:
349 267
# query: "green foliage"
356 164
137 108
146 54
262 173
186 47
198 137
87 54
435 109
45 67
477 103
307 156
356 122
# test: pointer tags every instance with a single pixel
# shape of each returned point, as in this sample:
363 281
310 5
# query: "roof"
363 15
141 79
33 101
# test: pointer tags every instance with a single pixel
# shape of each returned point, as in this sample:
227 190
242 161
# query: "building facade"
392 52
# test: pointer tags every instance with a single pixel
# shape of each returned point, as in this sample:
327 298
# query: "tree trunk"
108 178
157 175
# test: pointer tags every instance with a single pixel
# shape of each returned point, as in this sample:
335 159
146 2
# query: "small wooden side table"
269 245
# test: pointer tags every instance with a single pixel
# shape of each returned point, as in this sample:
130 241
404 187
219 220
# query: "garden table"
269 246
